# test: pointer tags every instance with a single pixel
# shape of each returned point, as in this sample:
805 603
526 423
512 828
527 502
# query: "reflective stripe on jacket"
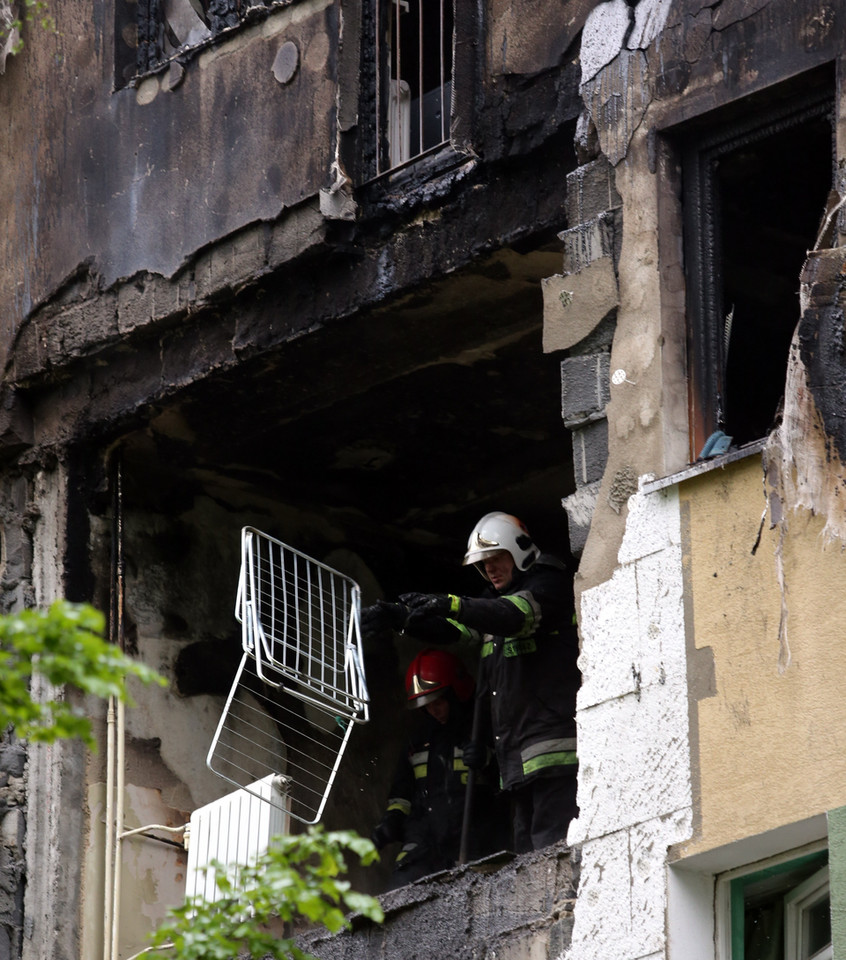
531 674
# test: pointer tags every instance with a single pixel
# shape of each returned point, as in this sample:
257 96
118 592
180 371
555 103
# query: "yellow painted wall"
770 747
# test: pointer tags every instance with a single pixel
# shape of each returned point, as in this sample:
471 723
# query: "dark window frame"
372 154
415 44
702 149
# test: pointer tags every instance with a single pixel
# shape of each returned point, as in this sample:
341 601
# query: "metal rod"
378 54
108 869
120 772
397 48
420 146
471 786
441 62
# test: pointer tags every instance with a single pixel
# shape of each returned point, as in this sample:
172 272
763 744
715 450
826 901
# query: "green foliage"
63 645
33 11
299 877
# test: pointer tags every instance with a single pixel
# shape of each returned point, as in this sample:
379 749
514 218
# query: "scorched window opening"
755 191
414 44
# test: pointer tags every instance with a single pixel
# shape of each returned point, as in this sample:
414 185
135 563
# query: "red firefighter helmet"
431 673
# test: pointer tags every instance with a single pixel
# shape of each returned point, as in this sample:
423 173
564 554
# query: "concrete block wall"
594 211
580 316
522 910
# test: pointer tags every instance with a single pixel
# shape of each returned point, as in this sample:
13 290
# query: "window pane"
817 927
764 931
762 924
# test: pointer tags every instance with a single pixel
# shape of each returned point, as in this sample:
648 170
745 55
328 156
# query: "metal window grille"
414 41
300 686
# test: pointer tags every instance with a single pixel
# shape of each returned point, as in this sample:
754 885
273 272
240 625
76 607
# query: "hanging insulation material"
803 463
300 686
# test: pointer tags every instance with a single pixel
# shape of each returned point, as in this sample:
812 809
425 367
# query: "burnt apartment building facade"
355 273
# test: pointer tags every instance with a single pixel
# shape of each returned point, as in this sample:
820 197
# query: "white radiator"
233 830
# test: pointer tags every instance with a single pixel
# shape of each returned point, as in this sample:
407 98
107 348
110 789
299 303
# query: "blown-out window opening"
755 189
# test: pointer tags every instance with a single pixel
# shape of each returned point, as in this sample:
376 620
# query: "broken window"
755 187
414 43
778 911
150 33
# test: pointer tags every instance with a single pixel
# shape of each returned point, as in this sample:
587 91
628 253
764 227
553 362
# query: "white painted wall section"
603 35
48 541
634 750
612 24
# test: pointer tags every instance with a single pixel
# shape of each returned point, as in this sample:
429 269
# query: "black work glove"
388 830
431 604
382 616
475 755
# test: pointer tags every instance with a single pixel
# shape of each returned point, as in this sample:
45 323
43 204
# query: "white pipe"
164 946
108 871
120 783
153 826
116 637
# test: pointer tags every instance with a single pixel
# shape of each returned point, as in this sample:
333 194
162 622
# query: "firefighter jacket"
527 668
426 803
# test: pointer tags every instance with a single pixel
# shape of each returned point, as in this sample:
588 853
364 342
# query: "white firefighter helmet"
500 531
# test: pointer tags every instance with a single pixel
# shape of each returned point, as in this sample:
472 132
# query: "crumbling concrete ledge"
514 908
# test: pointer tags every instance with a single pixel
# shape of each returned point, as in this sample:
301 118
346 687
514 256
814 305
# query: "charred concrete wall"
210 285
27 542
150 177
580 312
519 909
12 854
210 280
670 63
150 199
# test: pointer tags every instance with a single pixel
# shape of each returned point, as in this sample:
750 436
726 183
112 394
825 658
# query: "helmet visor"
424 698
421 691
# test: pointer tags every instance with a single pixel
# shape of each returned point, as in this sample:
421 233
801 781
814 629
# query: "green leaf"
366 905
299 875
63 645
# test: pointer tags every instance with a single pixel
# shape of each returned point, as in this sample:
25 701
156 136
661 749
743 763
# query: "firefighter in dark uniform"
527 669
425 809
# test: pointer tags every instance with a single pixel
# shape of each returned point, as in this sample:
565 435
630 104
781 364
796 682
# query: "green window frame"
779 910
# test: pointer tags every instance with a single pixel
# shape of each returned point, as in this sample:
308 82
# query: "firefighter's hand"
475 755
431 604
388 830
382 616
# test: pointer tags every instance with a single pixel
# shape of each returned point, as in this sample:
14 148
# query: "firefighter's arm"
430 626
381 617
391 828
507 616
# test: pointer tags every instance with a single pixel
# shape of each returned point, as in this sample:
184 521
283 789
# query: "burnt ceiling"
409 421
